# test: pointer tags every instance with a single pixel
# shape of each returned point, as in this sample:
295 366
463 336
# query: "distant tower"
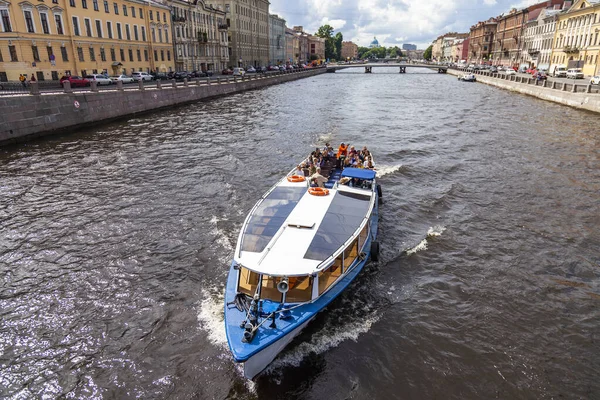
374 43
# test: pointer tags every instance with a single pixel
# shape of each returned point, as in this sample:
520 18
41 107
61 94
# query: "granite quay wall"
582 96
23 117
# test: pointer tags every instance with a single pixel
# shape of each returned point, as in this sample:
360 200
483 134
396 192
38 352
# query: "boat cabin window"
248 281
328 276
350 254
300 289
268 289
364 235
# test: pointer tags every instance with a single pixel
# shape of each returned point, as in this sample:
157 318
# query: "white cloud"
393 22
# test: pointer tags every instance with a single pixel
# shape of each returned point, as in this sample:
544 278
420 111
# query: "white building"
537 38
277 43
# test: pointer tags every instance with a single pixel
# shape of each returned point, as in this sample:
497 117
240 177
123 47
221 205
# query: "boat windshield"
300 287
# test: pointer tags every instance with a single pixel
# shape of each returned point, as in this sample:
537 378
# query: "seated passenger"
318 179
341 155
355 182
359 164
345 181
299 171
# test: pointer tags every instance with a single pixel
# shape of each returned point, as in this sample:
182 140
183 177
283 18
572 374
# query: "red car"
531 71
227 71
75 81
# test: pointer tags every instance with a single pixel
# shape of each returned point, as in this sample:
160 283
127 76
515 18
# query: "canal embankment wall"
575 95
23 117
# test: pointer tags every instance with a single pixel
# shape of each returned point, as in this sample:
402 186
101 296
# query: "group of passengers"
347 156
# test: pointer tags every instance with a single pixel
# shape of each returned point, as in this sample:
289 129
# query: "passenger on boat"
299 171
341 154
369 164
318 179
344 181
352 150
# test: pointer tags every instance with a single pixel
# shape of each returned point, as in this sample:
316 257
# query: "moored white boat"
468 78
298 249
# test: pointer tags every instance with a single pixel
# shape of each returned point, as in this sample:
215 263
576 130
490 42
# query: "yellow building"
51 38
576 40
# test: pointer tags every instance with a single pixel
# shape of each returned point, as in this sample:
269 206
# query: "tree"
337 42
362 51
326 32
427 53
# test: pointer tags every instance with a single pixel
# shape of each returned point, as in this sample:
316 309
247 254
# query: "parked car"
227 71
238 72
261 69
559 72
122 78
510 71
273 68
289 67
575 73
99 78
531 71
160 76
540 76
181 75
75 81
141 76
209 72
493 69
595 80
250 69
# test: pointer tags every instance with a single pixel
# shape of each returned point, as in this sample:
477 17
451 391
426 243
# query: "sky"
393 22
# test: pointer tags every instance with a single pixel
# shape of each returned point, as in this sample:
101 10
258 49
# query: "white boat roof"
290 232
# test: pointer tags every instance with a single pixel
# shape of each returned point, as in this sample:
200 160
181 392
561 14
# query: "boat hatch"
301 223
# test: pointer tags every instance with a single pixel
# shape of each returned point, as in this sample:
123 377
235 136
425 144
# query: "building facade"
577 37
80 37
349 51
407 46
316 47
292 46
303 49
277 40
199 36
538 37
248 23
481 38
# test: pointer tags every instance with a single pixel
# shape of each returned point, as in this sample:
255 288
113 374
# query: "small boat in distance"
298 249
467 78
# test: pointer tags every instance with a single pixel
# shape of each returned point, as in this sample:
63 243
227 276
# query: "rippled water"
115 244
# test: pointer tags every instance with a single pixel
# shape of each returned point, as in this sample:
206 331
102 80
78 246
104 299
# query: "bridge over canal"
441 69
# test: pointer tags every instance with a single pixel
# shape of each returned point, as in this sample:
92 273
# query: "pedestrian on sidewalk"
23 80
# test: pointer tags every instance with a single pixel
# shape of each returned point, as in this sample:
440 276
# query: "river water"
115 244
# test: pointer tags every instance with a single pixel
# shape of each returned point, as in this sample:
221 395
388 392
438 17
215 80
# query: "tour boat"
298 249
468 78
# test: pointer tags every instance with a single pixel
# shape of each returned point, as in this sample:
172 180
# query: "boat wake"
211 316
383 170
431 233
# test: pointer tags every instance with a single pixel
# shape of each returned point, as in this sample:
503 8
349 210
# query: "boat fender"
375 251
318 191
379 192
296 178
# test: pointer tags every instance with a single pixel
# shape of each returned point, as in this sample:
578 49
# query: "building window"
166 36
99 28
36 53
5 21
157 16
160 35
29 21
106 6
116 8
76 26
109 29
168 55
153 35
44 20
164 17
64 54
139 55
88 27
143 34
50 52
141 13
113 57
150 15
124 10
155 55
130 55
102 54
95 5
72 3
127 32
122 54
119 34
133 11
80 54
84 3
13 53
145 55
162 55
92 54
135 32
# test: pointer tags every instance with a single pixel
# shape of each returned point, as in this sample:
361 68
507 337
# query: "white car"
123 78
595 80
510 71
239 72
141 76
575 73
100 79
250 69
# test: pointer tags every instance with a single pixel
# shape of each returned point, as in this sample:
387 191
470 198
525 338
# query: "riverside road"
116 243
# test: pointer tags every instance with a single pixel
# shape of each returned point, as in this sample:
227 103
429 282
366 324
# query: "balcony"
178 19
533 52
570 50
222 27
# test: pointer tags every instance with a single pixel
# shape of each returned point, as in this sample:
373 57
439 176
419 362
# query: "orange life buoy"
318 191
296 178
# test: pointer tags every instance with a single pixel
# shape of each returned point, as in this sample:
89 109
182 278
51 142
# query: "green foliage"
314 57
427 53
326 32
337 42
362 51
